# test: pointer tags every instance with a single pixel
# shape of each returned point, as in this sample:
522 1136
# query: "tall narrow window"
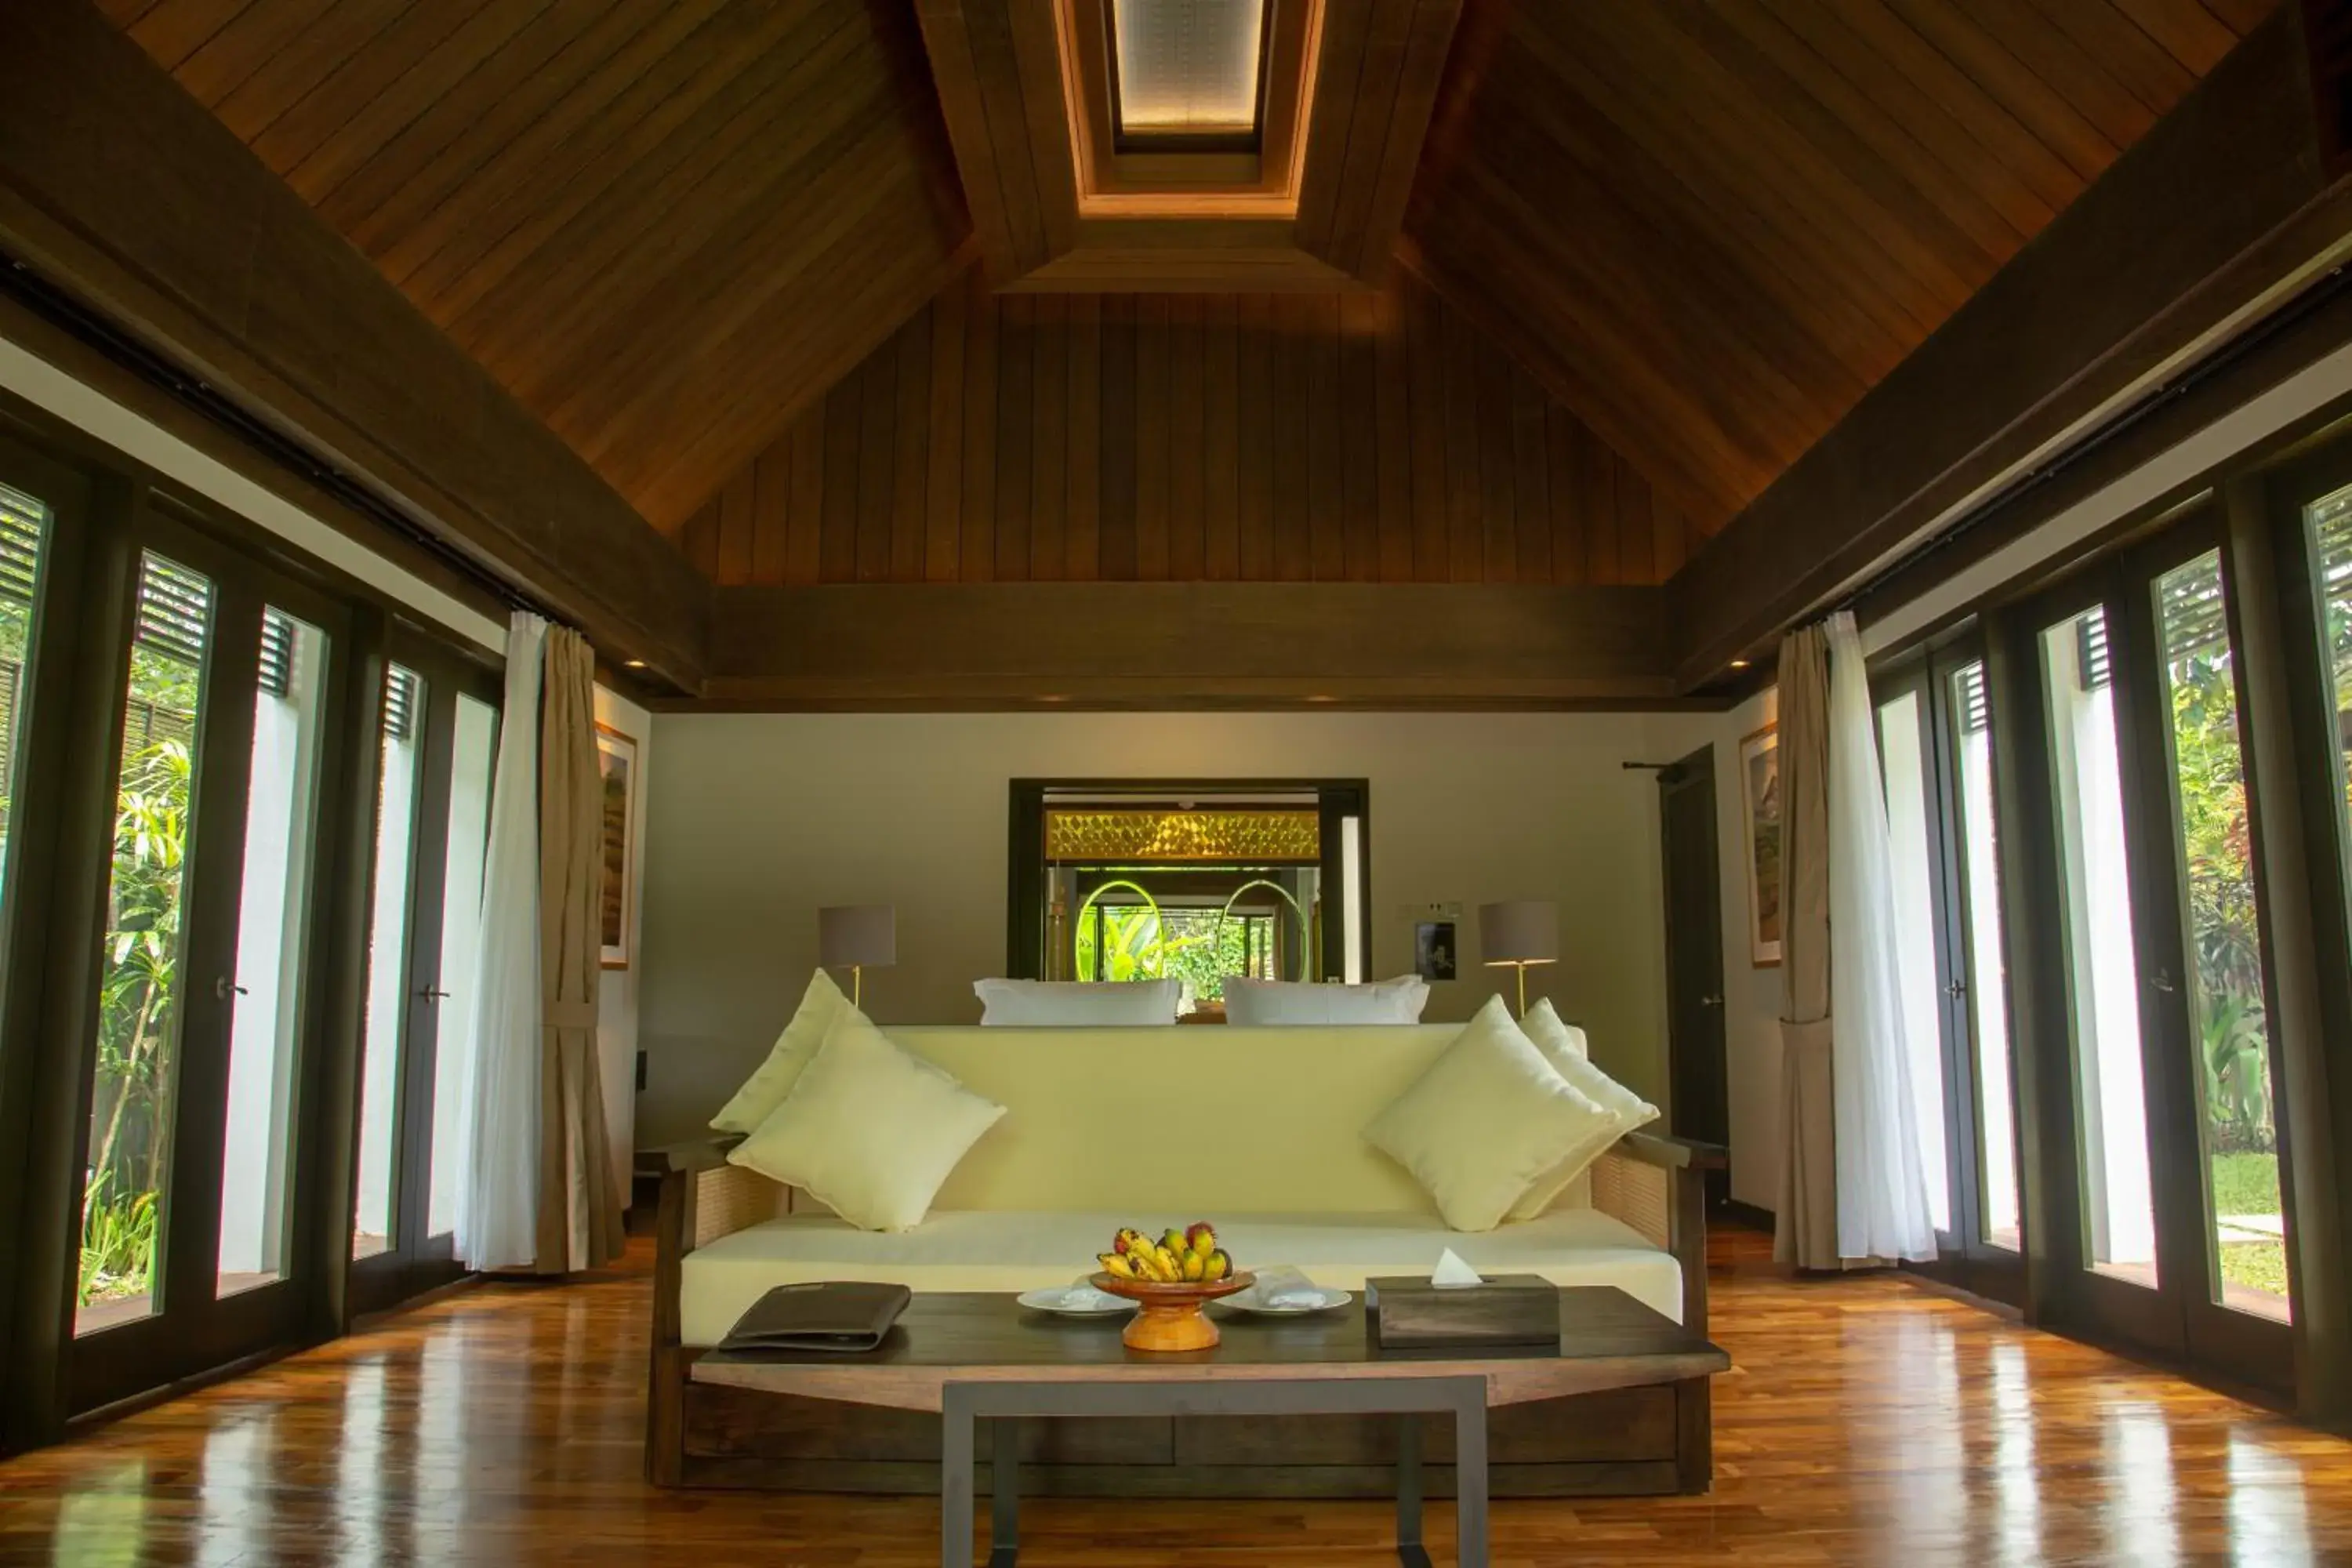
141 990
461 934
273 910
2229 1029
1987 981
24 531
2102 975
388 933
1903 740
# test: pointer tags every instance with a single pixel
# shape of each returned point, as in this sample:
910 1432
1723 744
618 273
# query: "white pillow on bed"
1563 1046
871 1130
765 1088
1075 1004
1274 1001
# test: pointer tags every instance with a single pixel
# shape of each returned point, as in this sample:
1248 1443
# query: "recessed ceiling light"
633 664
1739 664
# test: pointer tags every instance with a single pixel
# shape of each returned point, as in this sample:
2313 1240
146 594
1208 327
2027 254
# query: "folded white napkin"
1284 1285
1081 1297
1452 1273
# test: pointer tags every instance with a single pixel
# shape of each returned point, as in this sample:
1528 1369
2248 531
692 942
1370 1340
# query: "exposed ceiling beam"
119 187
2224 207
1186 645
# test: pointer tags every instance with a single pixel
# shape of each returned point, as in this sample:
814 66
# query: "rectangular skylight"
1188 67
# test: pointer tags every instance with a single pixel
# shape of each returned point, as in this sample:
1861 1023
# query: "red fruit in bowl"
1118 1245
1196 1230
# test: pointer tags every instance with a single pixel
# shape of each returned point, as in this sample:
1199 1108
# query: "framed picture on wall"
1759 808
616 900
1433 953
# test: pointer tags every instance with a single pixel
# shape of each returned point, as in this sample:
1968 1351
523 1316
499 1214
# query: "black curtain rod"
2283 320
93 330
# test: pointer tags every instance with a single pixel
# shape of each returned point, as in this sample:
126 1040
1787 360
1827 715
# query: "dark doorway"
1701 1102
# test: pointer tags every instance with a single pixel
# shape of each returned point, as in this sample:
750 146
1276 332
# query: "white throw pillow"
870 1130
1563 1046
1065 1004
1486 1119
765 1088
1272 1002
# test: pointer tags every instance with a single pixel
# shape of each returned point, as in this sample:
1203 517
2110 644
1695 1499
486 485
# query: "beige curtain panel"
1805 1232
579 1204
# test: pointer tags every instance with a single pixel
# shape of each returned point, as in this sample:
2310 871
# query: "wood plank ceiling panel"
1710 226
1188 437
662 228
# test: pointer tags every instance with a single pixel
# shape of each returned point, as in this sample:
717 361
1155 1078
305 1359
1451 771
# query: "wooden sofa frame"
1624 1442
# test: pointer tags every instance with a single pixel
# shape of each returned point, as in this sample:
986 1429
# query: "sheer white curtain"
498 1192
1882 1181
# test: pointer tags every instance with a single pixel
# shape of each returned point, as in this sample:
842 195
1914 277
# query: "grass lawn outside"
2248 1185
2245 1183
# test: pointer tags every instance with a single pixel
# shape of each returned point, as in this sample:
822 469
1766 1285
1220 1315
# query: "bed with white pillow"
997 1159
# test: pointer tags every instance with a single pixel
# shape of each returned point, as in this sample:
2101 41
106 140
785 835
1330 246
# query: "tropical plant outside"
2224 928
1189 944
131 1121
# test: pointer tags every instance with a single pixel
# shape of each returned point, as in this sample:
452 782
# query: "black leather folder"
841 1315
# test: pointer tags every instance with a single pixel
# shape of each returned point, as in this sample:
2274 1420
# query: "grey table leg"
1470 1478
1410 1553
1004 1503
955 1479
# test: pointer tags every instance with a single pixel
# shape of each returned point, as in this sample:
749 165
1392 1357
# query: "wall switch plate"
1446 911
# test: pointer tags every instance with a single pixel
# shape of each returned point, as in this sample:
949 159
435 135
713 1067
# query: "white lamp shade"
1523 932
857 935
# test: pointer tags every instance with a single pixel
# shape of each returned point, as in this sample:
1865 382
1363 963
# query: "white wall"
618 991
759 819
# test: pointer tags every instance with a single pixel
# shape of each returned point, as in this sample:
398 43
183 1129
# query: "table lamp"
851 936
1518 933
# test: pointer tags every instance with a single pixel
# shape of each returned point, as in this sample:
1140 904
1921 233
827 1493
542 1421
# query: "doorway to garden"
1196 882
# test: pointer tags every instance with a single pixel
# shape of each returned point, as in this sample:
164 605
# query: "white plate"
1247 1301
1056 1302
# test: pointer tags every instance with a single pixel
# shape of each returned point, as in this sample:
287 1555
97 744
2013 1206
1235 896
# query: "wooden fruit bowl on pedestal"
1171 1319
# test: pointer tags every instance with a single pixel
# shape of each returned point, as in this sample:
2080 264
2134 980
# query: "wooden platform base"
1618 1443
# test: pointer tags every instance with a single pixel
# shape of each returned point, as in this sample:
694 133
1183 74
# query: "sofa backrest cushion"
1176 1124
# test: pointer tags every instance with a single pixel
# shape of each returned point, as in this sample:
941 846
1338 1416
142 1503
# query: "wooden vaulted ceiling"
1705 227
1591 290
657 224
1713 224
1295 437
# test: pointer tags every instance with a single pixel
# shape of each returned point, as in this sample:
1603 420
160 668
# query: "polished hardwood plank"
1867 1420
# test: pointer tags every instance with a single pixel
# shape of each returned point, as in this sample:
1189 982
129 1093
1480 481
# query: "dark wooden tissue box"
1507 1309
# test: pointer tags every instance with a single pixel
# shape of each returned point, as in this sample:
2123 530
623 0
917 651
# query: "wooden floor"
1869 1421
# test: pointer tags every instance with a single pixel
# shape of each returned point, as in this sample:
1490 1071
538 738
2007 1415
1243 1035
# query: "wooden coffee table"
967 1356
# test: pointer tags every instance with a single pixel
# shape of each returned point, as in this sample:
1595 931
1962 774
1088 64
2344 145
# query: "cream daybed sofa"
1256 1130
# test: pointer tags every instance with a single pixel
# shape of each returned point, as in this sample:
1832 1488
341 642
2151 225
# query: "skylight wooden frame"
1027 101
1181 174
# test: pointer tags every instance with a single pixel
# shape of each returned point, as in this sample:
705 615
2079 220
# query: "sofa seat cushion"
1013 1250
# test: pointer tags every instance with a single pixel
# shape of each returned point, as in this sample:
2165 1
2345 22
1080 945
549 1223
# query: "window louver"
175 610
399 703
1976 715
2091 650
276 654
20 545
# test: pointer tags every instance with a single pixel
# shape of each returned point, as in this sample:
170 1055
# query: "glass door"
433 801
1935 727
189 1252
2177 1223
